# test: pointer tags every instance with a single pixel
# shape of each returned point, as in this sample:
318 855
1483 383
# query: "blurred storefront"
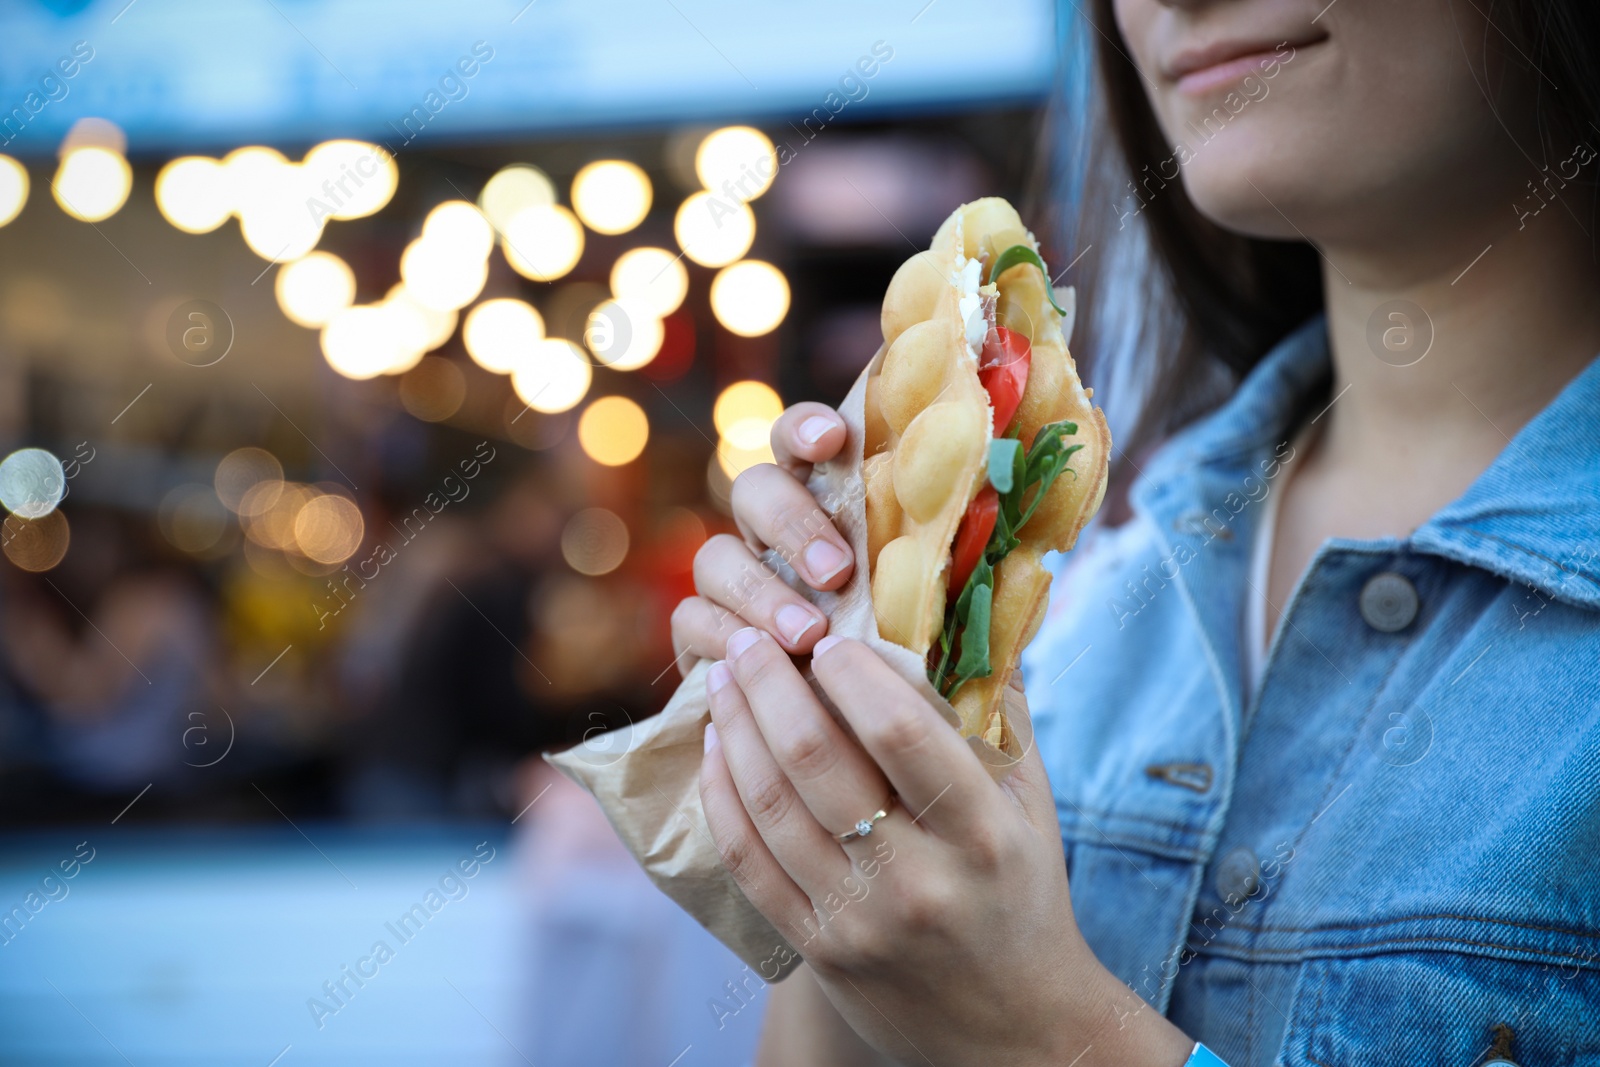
371 372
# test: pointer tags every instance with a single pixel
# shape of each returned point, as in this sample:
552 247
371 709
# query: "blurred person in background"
1367 839
116 648
438 653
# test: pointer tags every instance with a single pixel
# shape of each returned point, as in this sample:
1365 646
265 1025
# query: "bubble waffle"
919 429
927 436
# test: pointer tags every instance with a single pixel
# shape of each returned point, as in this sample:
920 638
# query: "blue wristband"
1203 1057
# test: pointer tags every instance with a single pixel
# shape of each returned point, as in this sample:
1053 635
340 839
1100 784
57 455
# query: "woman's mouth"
1199 71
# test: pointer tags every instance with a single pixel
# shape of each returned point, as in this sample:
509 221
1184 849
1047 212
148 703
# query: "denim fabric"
1394 847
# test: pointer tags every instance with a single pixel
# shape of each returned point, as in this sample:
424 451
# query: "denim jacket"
1390 853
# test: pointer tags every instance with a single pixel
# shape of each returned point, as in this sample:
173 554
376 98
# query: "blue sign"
211 75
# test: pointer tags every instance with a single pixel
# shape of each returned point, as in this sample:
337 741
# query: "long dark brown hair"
1174 309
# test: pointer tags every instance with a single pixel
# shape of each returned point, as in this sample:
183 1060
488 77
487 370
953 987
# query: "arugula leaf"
1019 468
1002 462
957 615
968 618
974 661
1002 540
1046 460
1023 254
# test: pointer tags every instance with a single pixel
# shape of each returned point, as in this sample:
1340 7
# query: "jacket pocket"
1447 1008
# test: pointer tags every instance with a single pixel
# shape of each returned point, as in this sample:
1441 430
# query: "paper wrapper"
647 776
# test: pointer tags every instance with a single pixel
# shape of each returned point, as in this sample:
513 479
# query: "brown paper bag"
647 776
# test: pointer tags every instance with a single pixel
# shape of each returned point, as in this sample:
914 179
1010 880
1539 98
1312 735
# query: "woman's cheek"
1135 20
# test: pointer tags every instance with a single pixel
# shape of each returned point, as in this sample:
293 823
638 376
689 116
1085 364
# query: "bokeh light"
279 230
652 278
613 430
92 132
241 471
192 193
622 335
744 414
408 325
734 460
713 231
554 377
32 483
269 195
315 288
746 400
260 498
36 545
92 183
13 188
361 342
328 528
438 279
543 242
501 334
252 174
273 526
458 230
438 326
518 186
611 196
736 162
594 541
750 298
352 178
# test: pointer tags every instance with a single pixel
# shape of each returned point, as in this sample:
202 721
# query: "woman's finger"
728 573
774 510
806 851
834 777
1027 782
938 778
744 854
700 630
806 433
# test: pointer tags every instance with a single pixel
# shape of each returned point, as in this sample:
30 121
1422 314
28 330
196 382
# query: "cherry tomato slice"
1003 370
972 537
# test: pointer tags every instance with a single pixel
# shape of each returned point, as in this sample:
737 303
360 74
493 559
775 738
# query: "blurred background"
369 375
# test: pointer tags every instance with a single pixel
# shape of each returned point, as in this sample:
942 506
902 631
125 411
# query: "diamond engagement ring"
862 828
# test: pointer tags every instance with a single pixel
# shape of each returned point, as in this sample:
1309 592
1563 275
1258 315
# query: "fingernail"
812 429
824 559
718 676
793 622
825 644
741 641
712 740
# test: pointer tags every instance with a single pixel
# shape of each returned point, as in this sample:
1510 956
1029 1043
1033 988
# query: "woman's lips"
1199 70
1228 72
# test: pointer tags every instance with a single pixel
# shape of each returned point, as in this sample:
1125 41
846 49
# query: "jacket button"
1238 875
1388 602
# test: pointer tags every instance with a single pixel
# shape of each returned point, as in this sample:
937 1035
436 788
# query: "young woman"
1316 777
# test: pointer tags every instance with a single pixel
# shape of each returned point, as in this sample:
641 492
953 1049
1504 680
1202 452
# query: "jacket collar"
1532 517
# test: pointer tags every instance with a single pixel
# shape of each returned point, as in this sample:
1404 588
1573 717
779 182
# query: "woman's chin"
1257 201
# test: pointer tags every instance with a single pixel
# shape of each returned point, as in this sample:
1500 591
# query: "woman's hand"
946 935
773 510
